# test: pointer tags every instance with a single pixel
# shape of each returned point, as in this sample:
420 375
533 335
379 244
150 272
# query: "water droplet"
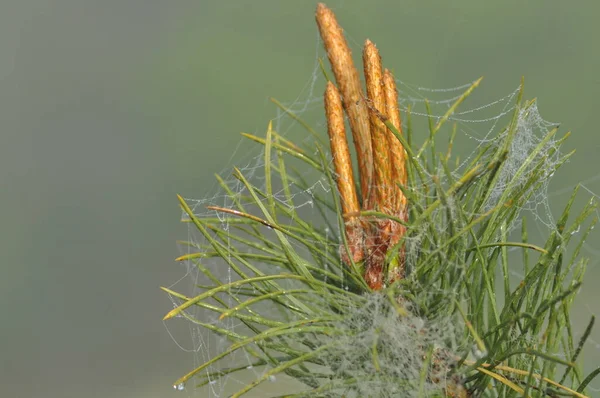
272 378
249 367
179 387
577 230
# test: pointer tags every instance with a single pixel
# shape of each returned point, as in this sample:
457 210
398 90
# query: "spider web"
478 123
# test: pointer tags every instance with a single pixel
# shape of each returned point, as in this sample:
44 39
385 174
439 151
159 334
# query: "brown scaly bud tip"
348 82
399 174
374 272
398 154
382 176
376 246
355 241
342 163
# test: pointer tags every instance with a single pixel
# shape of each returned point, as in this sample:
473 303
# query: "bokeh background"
110 108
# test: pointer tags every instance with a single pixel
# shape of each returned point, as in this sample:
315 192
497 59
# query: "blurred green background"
110 108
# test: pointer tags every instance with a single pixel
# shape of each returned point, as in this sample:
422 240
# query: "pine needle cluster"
413 297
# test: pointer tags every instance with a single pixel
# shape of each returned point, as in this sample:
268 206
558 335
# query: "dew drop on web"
179 387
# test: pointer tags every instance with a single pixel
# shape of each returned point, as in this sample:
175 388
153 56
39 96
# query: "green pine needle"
459 321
